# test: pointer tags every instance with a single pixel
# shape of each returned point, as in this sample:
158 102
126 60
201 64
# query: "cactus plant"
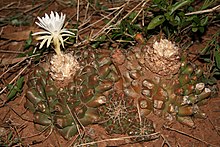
159 81
62 107
120 116
118 89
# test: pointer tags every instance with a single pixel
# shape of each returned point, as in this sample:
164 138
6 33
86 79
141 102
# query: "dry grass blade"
28 60
41 132
86 13
165 142
216 8
7 61
116 12
11 68
191 136
7 6
107 26
139 4
19 115
152 136
16 77
33 8
142 10
139 114
77 122
104 17
214 127
93 37
11 52
77 20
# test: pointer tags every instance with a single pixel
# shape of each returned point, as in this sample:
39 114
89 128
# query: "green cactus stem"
119 89
60 107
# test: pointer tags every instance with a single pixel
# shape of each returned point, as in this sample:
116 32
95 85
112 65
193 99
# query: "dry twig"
77 122
152 136
216 8
165 141
7 6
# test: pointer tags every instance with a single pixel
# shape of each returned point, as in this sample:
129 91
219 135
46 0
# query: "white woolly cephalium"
163 58
63 66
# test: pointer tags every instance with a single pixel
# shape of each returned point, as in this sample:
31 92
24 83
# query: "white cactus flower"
54 31
62 66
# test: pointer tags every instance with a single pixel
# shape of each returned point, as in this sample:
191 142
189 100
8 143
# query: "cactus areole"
116 87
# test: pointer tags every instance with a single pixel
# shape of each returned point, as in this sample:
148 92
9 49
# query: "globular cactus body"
119 89
63 107
170 90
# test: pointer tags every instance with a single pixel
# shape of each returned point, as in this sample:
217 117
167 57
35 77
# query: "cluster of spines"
120 116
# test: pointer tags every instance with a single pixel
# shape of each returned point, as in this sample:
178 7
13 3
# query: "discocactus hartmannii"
118 89
171 89
75 104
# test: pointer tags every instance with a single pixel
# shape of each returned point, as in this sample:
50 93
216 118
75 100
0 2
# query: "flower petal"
67 32
61 40
42 26
42 22
49 41
53 25
46 17
67 35
41 33
43 37
52 16
42 43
